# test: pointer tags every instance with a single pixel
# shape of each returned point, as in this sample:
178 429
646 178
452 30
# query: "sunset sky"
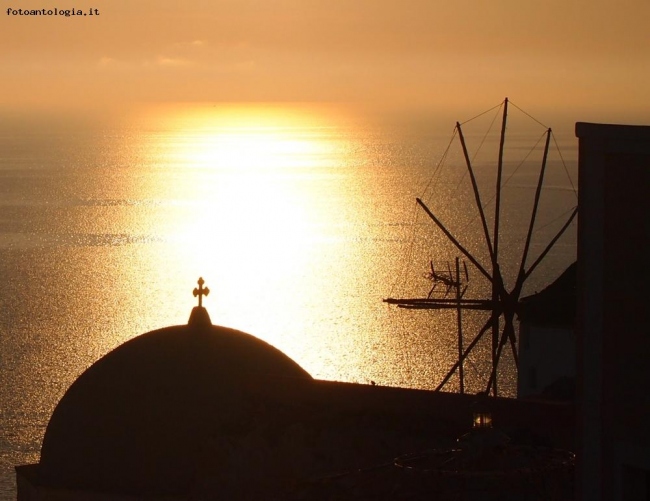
586 59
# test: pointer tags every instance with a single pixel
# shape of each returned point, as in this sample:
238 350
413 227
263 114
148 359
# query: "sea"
300 218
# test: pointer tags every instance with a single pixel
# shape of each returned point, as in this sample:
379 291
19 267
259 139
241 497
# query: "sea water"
300 221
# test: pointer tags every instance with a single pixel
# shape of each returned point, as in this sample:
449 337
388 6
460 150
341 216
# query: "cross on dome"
201 291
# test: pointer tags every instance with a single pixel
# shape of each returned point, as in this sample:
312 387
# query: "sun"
246 181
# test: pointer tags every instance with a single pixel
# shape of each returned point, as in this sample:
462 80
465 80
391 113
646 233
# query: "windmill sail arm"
453 240
466 352
552 243
531 226
441 303
497 205
477 195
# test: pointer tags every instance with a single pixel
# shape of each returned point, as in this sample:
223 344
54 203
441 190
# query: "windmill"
503 302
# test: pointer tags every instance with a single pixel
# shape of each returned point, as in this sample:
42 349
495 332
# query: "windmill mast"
459 325
496 272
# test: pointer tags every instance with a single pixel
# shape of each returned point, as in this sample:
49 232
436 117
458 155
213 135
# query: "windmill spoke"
454 241
521 275
515 355
507 335
497 208
466 352
477 194
551 244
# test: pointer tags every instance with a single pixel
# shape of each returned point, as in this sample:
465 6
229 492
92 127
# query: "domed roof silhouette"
139 419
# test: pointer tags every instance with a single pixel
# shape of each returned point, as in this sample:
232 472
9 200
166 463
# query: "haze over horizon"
575 60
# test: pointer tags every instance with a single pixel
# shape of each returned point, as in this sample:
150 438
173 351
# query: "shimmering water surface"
300 220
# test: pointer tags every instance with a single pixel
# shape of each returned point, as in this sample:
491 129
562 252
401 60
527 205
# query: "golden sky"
588 58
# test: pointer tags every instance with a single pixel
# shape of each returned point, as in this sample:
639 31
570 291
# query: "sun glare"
248 180
247 150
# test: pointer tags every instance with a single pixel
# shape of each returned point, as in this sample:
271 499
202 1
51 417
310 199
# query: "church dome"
140 418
